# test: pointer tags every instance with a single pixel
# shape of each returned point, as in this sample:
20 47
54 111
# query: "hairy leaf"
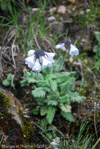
68 116
44 110
58 65
47 89
64 99
51 102
53 85
51 114
38 92
42 83
6 83
10 76
65 107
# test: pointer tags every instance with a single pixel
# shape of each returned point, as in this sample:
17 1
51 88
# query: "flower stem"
37 75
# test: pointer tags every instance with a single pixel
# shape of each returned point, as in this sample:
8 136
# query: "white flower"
36 66
73 50
38 57
50 56
45 62
61 46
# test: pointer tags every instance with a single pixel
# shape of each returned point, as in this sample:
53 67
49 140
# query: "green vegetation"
96 49
88 16
53 91
8 81
5 101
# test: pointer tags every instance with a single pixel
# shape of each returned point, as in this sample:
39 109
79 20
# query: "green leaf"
65 107
63 76
43 110
23 82
12 84
74 96
50 114
6 83
47 70
44 123
67 85
53 85
50 76
38 92
64 99
35 111
40 76
58 65
3 6
31 80
47 89
96 48
30 77
10 76
97 34
42 83
51 102
68 116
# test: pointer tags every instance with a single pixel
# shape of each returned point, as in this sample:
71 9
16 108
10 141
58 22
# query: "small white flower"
73 50
61 46
36 66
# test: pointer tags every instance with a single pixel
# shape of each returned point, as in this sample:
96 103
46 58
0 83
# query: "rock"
35 9
62 9
51 19
12 103
10 127
52 10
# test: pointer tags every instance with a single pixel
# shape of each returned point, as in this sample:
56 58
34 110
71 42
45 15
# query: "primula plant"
52 89
73 50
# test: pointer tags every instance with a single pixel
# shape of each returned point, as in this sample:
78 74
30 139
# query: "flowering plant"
73 50
53 91
38 57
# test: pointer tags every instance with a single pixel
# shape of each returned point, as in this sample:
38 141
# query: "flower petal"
37 66
61 46
31 52
45 62
30 61
73 50
50 56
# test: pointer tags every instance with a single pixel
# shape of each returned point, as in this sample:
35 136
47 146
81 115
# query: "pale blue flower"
61 46
73 50
38 59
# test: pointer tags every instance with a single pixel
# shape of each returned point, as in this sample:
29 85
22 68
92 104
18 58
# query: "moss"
4 101
28 131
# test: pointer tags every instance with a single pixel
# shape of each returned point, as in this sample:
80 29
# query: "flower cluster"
38 59
73 49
